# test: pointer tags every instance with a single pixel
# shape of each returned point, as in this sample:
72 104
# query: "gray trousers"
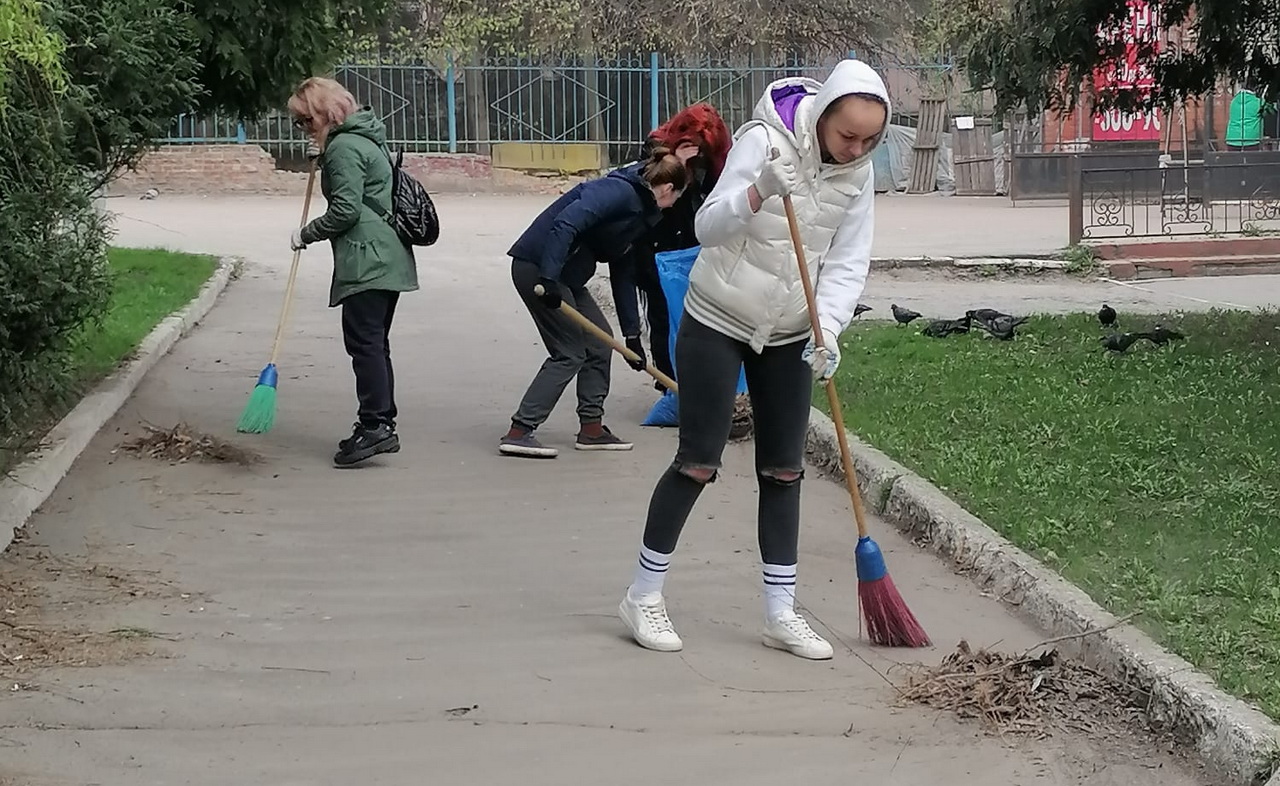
571 352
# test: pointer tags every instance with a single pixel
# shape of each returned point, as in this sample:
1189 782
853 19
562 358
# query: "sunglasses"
302 123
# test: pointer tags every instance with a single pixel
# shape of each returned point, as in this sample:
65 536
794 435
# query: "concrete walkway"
388 625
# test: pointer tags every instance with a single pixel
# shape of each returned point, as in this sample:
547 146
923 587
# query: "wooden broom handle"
293 269
595 330
837 416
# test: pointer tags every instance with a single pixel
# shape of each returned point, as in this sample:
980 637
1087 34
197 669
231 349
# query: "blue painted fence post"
451 92
653 91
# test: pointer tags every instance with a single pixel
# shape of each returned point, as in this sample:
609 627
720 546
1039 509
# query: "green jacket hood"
363 123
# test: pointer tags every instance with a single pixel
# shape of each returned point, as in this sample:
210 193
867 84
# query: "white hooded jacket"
746 281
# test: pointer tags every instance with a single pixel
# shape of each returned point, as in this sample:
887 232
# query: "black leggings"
780 384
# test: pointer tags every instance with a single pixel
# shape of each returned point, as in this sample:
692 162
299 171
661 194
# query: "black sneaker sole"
389 445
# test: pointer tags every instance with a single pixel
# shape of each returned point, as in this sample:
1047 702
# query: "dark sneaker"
603 441
366 442
525 445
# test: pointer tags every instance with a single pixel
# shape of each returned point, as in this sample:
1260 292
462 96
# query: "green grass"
1151 479
147 286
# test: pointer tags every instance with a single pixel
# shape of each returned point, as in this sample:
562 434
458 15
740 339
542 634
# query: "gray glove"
778 178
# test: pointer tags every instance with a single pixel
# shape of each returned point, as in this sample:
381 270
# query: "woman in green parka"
371 266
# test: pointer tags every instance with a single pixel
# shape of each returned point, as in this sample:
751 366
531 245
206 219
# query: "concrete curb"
1241 742
969 263
25 489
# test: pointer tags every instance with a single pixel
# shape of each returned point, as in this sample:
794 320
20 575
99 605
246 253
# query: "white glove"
295 241
313 151
778 178
825 361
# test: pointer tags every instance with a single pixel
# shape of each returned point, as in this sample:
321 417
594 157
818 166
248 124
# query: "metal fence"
1225 194
464 107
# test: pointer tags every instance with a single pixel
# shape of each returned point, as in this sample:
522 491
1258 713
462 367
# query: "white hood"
847 78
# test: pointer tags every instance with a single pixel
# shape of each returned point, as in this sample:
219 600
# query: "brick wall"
191 169
248 169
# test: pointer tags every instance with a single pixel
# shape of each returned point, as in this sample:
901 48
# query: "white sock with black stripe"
779 589
651 571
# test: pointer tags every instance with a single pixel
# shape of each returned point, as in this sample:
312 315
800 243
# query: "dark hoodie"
595 221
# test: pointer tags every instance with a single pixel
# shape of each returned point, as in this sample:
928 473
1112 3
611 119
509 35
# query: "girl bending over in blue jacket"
596 221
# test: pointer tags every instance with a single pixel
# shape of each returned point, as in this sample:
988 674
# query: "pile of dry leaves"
1034 695
182 443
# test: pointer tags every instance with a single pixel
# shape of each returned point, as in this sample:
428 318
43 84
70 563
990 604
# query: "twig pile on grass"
1025 695
182 443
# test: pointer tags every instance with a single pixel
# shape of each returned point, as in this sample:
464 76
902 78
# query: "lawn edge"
30 484
1230 736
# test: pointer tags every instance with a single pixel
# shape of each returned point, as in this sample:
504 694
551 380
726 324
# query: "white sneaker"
650 626
789 631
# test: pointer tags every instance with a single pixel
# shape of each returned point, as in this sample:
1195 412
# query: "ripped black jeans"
780 384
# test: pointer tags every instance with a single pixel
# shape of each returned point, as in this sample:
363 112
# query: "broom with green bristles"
260 413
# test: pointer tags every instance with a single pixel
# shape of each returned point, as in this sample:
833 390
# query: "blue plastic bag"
673 275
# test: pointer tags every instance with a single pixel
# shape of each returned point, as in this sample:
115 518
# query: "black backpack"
413 214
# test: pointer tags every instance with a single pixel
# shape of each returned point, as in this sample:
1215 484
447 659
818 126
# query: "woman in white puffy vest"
746 306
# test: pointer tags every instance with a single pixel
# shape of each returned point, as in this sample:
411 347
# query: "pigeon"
995 322
903 315
1107 315
860 309
982 315
1119 342
1003 326
1162 335
150 193
941 328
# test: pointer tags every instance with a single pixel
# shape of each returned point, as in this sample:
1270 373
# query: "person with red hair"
700 138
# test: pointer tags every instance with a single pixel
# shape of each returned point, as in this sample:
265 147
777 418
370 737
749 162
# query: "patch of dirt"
36 587
182 443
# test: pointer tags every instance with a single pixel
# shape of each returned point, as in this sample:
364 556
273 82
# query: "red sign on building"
1113 125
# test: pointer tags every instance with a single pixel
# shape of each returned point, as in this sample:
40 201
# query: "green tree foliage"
1041 53
253 53
52 260
26 42
132 65
680 27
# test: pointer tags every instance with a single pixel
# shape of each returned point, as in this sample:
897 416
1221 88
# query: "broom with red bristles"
889 622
